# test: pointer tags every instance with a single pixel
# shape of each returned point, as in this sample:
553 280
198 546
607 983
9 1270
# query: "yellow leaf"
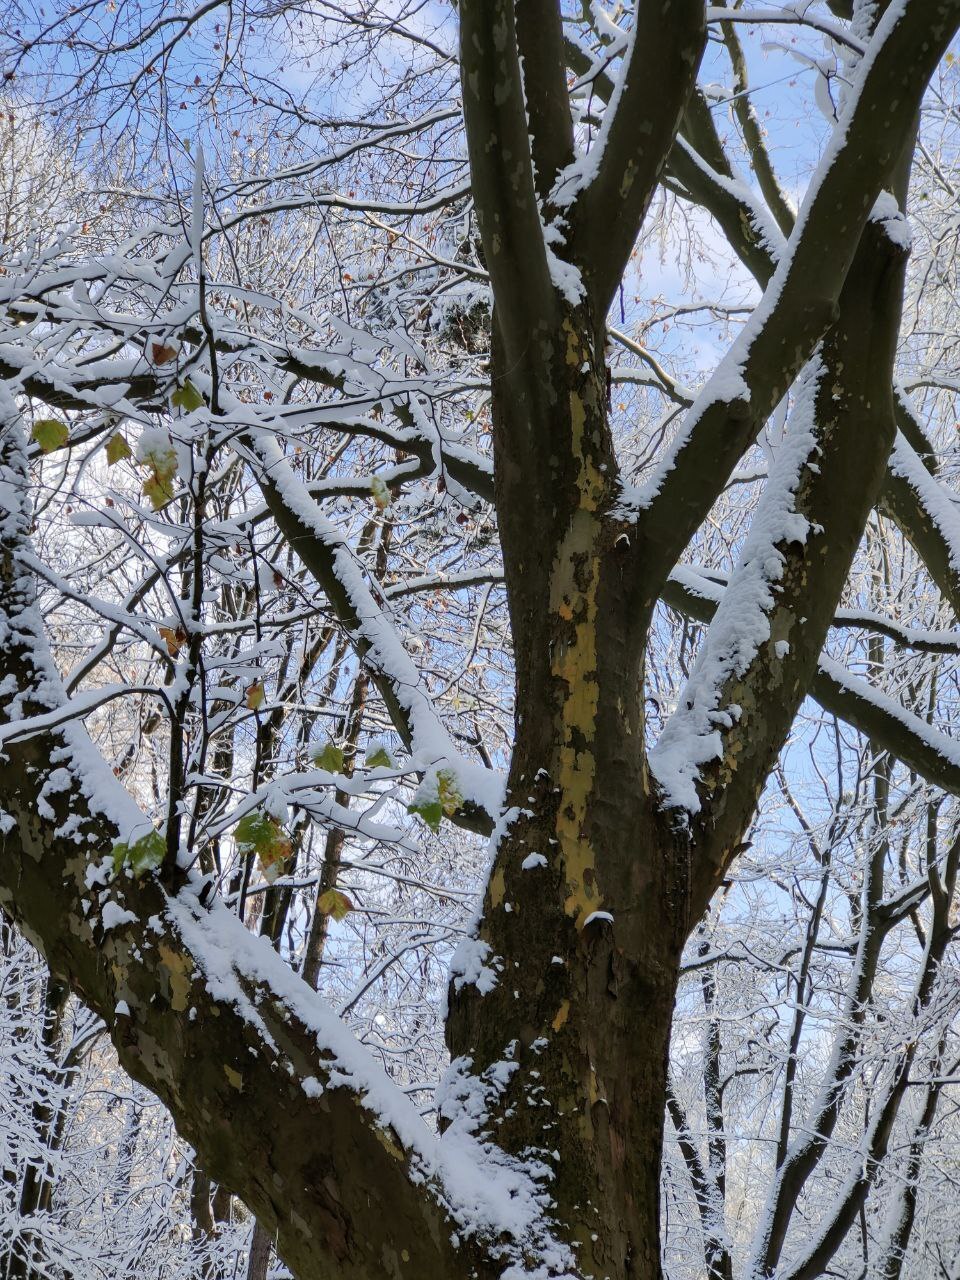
448 792
158 490
272 857
174 640
117 449
255 695
50 434
334 903
158 454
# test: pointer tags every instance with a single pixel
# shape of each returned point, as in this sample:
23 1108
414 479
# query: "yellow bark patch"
590 481
497 888
574 349
388 1144
234 1077
178 968
562 1014
576 665
574 585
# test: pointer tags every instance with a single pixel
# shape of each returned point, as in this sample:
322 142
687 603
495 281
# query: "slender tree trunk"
25 1259
261 1247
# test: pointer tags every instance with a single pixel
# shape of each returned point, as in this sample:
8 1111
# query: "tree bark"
585 912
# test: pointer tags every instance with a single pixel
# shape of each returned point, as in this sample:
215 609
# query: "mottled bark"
585 911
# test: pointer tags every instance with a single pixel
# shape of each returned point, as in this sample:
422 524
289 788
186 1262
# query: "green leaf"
379 757
263 835
142 856
334 903
431 811
256 831
117 449
329 757
50 434
187 397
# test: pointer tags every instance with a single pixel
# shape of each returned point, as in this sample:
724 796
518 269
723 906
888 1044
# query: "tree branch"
663 50
801 300
210 1019
501 166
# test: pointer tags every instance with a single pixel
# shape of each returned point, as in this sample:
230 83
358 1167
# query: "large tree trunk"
585 913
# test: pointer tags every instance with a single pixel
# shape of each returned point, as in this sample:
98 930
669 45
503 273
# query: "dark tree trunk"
586 910
25 1259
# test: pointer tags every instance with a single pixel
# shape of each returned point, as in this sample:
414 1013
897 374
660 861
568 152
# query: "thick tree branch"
210 1019
199 1012
663 50
758 658
904 735
925 513
501 166
540 45
325 553
801 299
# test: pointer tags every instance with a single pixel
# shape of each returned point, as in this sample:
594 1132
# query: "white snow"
892 218
934 499
566 278
693 736
468 966
113 915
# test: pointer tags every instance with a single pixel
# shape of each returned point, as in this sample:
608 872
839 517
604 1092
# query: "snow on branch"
692 737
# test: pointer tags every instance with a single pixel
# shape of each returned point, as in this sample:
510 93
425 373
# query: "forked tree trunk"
560 1008
586 910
